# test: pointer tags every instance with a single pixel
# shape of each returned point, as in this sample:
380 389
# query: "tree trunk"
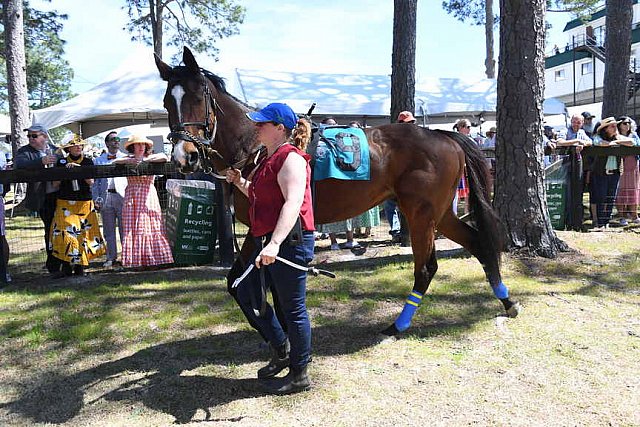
520 197
16 70
403 58
489 62
617 44
155 12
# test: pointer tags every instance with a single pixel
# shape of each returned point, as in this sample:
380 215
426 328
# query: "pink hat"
406 117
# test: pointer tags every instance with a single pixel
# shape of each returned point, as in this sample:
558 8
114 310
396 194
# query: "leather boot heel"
279 361
295 381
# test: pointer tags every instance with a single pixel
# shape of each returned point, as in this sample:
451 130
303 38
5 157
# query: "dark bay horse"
420 168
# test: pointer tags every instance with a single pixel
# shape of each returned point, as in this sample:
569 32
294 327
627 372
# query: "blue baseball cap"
277 113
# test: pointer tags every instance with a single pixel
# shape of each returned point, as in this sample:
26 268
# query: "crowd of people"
69 208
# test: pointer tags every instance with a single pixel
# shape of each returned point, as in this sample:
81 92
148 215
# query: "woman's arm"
234 176
292 180
156 158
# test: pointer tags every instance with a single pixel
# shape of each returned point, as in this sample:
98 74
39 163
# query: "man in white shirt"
108 194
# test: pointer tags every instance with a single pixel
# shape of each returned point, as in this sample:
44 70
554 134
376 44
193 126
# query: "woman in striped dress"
145 242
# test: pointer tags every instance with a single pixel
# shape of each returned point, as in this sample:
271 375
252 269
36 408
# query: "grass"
171 346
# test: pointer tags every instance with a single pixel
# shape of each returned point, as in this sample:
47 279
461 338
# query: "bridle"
204 146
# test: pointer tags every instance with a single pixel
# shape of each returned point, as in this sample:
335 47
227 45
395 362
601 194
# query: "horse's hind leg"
425 267
465 235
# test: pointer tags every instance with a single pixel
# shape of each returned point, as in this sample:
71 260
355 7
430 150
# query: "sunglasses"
260 124
114 139
34 135
626 123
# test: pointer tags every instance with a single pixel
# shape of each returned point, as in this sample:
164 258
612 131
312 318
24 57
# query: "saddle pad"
342 153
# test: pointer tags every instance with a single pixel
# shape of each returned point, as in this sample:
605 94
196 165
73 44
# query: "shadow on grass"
158 381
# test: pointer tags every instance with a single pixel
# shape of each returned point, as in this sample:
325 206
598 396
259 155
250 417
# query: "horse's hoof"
391 331
514 310
384 339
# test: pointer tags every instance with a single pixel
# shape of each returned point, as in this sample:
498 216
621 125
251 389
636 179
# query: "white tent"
127 100
369 96
134 96
5 125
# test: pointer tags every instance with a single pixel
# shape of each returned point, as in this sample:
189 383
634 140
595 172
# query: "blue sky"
329 36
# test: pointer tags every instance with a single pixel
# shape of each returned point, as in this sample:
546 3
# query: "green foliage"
195 23
48 74
467 10
474 10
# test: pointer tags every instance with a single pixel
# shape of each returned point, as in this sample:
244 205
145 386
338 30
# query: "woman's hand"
268 254
70 165
234 176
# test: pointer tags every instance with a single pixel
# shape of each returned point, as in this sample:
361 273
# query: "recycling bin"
191 221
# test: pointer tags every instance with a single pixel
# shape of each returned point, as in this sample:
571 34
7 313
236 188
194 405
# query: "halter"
203 145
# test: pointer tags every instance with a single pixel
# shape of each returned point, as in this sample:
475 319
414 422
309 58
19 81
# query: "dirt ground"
571 359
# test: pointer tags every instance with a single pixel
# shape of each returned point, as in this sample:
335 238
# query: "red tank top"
266 199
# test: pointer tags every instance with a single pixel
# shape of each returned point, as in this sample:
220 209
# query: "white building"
574 73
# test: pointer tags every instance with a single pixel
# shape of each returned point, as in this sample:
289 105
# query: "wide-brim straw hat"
75 141
607 122
138 139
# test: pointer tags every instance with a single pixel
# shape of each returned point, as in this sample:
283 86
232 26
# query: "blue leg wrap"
500 291
410 306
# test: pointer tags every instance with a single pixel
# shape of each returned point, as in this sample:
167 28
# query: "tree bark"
16 70
520 197
155 14
617 45
489 62
403 57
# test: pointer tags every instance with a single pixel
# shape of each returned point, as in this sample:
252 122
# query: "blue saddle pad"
342 153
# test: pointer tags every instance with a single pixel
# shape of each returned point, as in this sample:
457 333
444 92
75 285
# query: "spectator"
390 206
108 195
587 124
464 127
605 173
75 231
490 140
548 141
41 196
628 195
346 226
406 117
574 135
281 213
5 277
144 239
369 218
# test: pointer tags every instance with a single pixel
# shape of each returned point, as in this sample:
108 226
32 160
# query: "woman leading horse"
418 167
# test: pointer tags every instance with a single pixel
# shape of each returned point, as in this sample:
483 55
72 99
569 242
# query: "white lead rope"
312 270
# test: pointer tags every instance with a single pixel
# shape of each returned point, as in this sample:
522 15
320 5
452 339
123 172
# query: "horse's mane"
219 84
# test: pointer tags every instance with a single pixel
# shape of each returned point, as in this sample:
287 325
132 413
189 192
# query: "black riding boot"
279 360
295 381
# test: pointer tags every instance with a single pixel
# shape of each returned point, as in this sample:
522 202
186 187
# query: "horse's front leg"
425 267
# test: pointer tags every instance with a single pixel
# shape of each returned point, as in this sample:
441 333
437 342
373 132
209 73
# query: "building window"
587 68
559 74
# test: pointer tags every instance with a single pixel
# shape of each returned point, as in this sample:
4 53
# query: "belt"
112 190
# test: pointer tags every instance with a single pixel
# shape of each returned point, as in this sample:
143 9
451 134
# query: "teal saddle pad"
342 153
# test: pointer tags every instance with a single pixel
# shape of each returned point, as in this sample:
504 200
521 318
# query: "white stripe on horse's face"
179 154
178 92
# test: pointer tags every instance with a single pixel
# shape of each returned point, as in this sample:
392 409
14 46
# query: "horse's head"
190 100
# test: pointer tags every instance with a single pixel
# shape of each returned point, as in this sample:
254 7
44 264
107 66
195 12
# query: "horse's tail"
484 217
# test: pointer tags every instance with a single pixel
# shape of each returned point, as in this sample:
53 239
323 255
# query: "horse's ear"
164 69
189 60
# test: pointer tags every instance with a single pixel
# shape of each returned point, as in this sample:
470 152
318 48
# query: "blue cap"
277 113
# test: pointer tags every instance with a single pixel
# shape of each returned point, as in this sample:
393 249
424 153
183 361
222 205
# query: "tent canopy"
134 96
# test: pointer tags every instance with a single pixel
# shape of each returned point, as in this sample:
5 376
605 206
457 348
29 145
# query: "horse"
419 168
